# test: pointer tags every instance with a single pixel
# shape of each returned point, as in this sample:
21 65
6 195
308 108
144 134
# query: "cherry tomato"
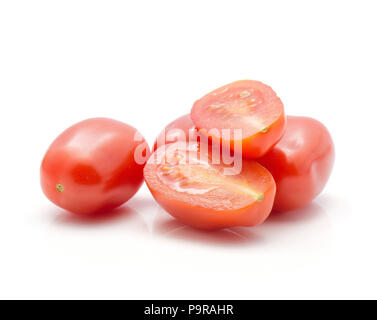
202 193
249 109
301 162
181 129
94 166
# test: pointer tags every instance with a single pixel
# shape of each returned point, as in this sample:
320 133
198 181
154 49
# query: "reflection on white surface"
293 230
304 232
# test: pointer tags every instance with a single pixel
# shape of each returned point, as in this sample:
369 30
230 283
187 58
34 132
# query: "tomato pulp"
94 166
244 113
301 162
191 187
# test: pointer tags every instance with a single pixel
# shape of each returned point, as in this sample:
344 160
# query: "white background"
145 63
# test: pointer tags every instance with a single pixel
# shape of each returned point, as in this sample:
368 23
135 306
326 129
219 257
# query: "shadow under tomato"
103 217
229 236
307 213
277 223
160 223
142 203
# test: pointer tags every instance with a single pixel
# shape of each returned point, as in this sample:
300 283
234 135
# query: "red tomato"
189 186
94 166
178 130
301 162
249 106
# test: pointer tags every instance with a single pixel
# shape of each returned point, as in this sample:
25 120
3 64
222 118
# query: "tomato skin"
257 141
177 130
301 163
204 213
209 219
92 165
183 129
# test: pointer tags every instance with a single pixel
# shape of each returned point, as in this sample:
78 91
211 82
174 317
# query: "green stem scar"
59 187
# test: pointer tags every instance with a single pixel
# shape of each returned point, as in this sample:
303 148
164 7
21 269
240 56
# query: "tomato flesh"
91 167
248 106
189 186
301 162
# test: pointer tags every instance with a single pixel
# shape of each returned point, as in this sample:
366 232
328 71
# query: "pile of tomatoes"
230 162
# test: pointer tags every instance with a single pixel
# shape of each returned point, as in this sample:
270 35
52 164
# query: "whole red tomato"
301 162
181 129
94 166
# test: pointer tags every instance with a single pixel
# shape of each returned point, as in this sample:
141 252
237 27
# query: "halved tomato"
245 114
205 193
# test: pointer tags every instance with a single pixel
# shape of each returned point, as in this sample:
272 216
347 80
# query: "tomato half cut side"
249 109
198 192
